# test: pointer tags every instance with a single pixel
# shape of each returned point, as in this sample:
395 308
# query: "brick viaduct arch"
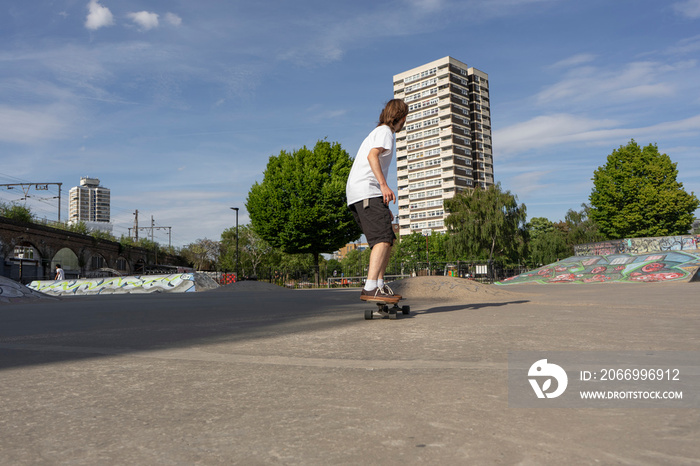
49 241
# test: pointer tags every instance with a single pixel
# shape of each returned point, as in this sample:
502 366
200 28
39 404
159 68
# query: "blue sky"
177 105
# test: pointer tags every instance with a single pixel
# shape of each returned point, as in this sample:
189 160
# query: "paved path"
299 377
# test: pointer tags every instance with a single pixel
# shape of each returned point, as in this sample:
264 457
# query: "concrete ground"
299 377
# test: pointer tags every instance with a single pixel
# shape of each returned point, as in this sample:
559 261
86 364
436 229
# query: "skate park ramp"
663 266
14 292
444 289
172 283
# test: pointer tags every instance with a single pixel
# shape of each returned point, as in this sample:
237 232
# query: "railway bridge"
31 251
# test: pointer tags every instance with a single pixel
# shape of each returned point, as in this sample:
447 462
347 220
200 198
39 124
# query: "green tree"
410 251
145 243
437 247
547 242
16 212
126 241
333 265
104 235
300 206
416 249
202 254
485 223
252 250
293 266
355 262
227 254
636 194
79 227
82 229
580 226
539 226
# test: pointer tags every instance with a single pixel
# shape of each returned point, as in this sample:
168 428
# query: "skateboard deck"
383 310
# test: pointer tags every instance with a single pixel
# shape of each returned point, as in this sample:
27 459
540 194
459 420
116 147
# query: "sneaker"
378 294
390 292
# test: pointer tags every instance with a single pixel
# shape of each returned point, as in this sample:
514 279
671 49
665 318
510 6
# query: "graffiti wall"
631 268
174 283
639 245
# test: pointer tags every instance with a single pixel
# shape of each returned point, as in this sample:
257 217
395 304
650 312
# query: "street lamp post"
236 209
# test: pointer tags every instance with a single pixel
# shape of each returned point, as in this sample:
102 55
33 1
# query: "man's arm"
373 158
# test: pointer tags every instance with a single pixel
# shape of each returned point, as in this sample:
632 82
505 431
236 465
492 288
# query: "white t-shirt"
362 184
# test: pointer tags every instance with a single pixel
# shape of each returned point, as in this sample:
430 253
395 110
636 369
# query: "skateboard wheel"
406 310
369 315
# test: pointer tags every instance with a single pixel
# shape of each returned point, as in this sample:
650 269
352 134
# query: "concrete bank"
299 377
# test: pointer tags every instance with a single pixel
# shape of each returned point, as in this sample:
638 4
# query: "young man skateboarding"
368 197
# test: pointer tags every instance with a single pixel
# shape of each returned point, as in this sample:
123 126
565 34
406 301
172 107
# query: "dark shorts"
374 220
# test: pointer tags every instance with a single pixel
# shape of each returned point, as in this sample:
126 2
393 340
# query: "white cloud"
98 16
322 35
546 130
27 126
173 19
144 19
686 127
689 8
320 113
530 182
477 10
687 46
634 81
427 5
552 130
574 60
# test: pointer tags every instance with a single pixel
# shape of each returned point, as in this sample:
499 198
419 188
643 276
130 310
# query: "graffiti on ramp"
173 283
626 268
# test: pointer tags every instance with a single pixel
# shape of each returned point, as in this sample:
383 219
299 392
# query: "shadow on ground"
95 326
470 306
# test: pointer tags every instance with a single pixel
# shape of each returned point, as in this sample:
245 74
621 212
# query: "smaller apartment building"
90 203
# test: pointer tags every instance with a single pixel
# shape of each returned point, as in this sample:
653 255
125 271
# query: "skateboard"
384 310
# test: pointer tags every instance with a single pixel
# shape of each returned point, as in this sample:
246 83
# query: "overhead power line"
38 187
153 227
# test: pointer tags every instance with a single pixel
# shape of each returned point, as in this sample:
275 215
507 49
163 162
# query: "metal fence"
480 271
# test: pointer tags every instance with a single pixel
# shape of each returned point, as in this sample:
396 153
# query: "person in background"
60 274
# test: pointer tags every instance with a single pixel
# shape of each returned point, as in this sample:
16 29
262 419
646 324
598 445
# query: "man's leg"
385 264
378 260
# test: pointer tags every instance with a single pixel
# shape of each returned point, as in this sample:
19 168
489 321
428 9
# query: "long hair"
393 112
